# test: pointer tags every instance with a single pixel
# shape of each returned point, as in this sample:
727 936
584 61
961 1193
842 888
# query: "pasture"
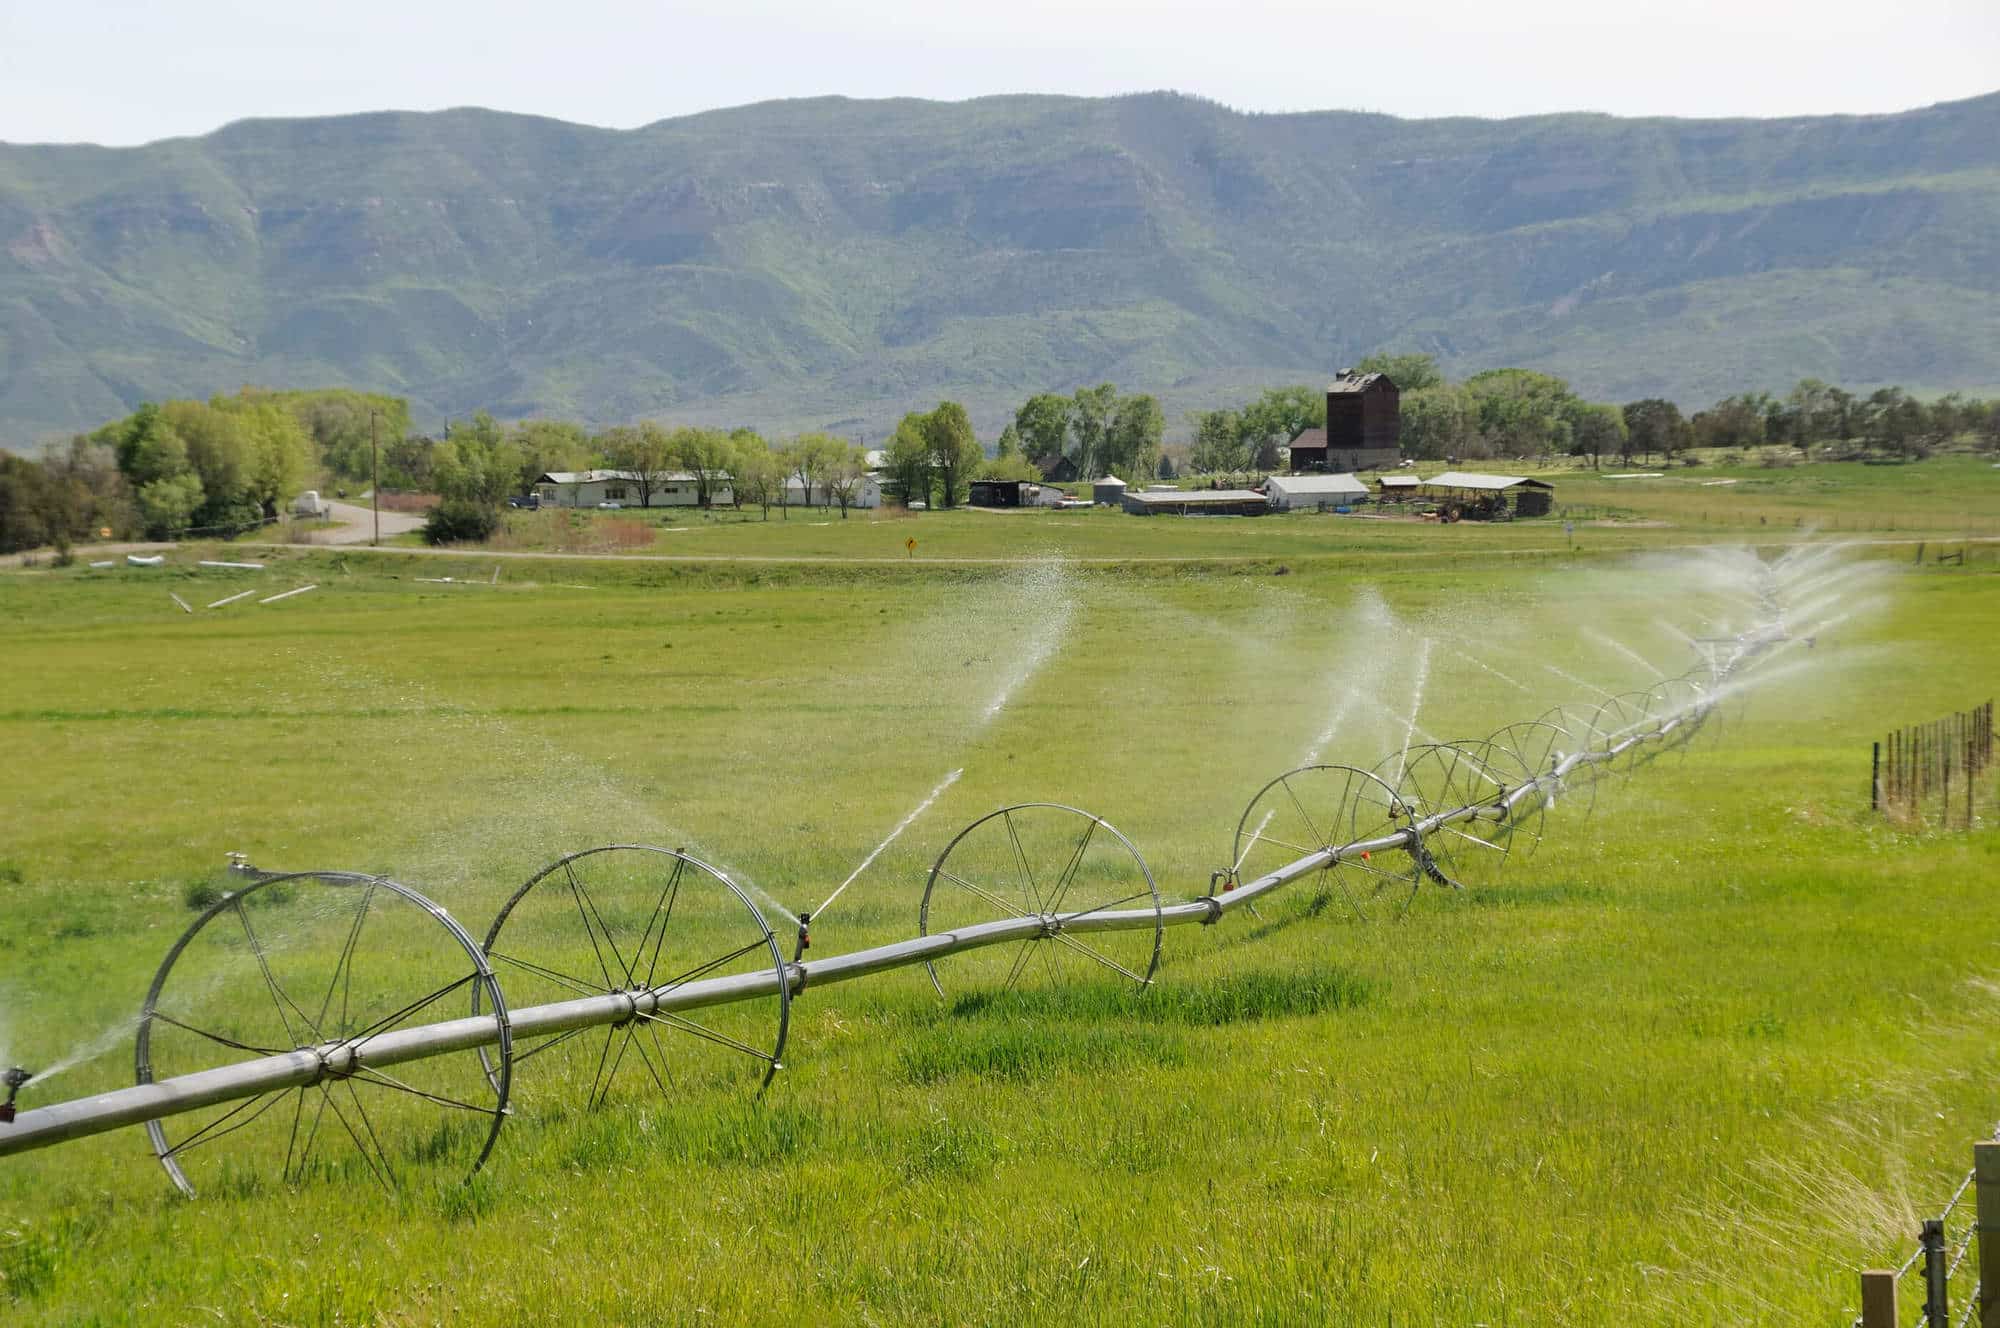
1695 1060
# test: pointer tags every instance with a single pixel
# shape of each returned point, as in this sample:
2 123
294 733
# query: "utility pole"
374 476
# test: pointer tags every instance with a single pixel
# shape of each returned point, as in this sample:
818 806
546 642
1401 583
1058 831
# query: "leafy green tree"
846 468
476 462
147 447
1520 412
907 459
758 473
1132 443
1736 421
1436 422
955 451
1597 430
1218 442
547 446
1012 466
337 422
1654 425
1010 442
813 457
1280 414
167 505
1090 415
1410 372
1043 425
643 452
705 454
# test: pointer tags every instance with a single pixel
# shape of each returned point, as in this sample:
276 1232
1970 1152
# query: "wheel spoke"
668 897
576 893
991 898
1020 962
1032 893
1300 849
312 1135
695 972
668 1019
1109 963
1105 908
555 1041
231 1043
1304 815
368 1074
278 997
617 1062
387 1022
343 967
577 985
1068 879
212 1131
639 1044
380 1170
603 1061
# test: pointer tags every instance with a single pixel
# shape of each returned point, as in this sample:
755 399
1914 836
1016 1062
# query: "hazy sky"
114 72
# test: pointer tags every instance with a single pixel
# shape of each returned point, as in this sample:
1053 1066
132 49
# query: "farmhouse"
1306 493
629 488
867 493
1197 502
1461 493
1363 427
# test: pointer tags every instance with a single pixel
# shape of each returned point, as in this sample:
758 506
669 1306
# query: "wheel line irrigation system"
1440 802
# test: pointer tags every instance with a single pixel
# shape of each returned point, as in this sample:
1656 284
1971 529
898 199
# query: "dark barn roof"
1309 439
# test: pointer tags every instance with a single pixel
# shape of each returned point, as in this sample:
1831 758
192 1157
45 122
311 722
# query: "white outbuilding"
1309 493
1110 490
594 488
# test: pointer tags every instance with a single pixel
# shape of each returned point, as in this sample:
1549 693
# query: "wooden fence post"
1878 1299
1986 1198
1875 778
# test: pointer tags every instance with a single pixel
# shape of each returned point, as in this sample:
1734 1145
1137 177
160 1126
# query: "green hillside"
834 262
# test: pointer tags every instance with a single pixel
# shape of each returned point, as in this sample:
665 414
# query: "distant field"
1692 1062
1950 497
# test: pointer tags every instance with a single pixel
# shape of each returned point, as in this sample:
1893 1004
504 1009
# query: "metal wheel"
1055 864
1434 778
1616 719
1326 806
1534 747
631 918
322 964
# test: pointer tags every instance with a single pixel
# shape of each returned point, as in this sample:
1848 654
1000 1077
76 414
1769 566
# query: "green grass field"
1707 1051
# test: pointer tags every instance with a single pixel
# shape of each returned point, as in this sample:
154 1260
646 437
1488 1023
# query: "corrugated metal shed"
1317 484
1465 479
1399 481
1212 502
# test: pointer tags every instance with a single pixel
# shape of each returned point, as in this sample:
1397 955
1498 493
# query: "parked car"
311 504
531 503
610 505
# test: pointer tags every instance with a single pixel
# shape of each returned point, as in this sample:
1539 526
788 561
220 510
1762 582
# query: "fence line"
1942 759
1940 1259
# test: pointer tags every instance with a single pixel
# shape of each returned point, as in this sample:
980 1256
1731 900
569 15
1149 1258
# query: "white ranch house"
590 488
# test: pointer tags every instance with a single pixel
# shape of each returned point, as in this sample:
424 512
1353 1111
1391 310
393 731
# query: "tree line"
233 461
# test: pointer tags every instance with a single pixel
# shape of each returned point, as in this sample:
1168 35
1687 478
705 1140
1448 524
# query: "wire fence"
1934 1276
1935 765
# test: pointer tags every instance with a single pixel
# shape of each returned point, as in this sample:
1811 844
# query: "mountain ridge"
836 261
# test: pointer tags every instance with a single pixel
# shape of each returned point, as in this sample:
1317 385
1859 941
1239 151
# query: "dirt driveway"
357 525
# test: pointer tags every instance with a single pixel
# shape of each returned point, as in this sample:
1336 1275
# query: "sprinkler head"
13 1079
